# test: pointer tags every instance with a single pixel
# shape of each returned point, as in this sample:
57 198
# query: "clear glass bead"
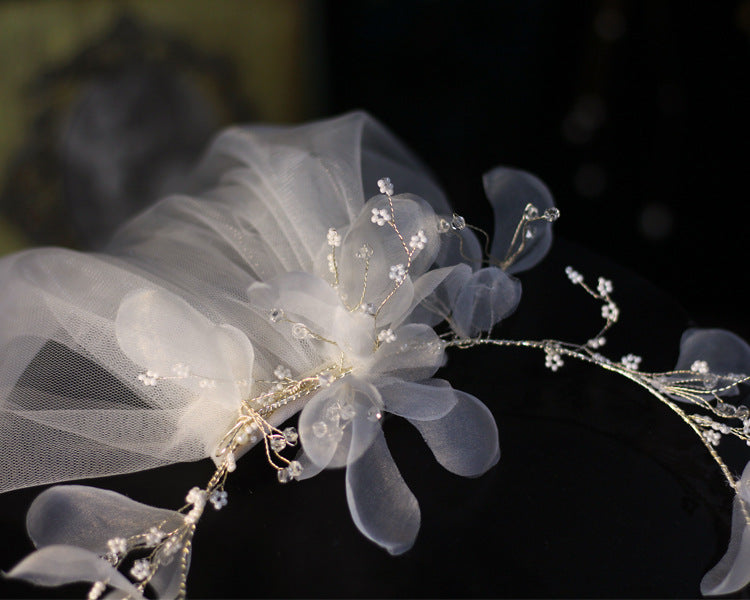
742 412
347 412
278 444
290 435
295 468
300 331
319 429
374 414
275 315
458 222
283 475
443 225
552 214
364 252
333 412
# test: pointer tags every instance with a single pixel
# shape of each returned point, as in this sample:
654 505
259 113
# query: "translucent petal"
509 191
329 439
484 299
148 323
59 564
88 517
724 351
382 506
415 355
424 287
424 400
386 248
465 440
732 572
309 468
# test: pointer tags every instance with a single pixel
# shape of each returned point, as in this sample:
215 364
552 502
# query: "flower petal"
60 564
732 572
416 354
424 400
382 506
335 427
149 321
465 440
483 300
724 351
88 517
509 191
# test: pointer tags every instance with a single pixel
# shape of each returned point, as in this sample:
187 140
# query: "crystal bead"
374 414
742 412
337 434
530 212
332 412
278 444
458 222
551 214
300 331
443 225
326 379
725 410
290 435
275 315
369 308
347 412
295 468
283 475
319 429
364 252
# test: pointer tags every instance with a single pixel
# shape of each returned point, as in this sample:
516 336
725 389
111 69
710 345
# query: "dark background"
636 116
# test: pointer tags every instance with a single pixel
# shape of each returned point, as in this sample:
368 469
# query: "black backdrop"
635 114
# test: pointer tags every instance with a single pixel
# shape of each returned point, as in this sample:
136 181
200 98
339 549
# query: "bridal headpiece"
316 269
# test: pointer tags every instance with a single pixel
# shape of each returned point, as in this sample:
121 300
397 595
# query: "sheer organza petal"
88 517
732 572
423 400
509 191
416 354
148 323
382 506
483 300
60 564
336 425
724 351
465 440
385 248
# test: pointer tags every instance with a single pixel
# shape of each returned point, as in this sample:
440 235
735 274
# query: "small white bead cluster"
153 536
96 590
712 437
219 499
700 367
387 336
631 361
331 263
385 186
574 276
333 238
596 342
397 273
282 372
196 497
148 378
418 240
610 312
181 370
300 331
380 216
604 287
141 569
118 547
553 359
